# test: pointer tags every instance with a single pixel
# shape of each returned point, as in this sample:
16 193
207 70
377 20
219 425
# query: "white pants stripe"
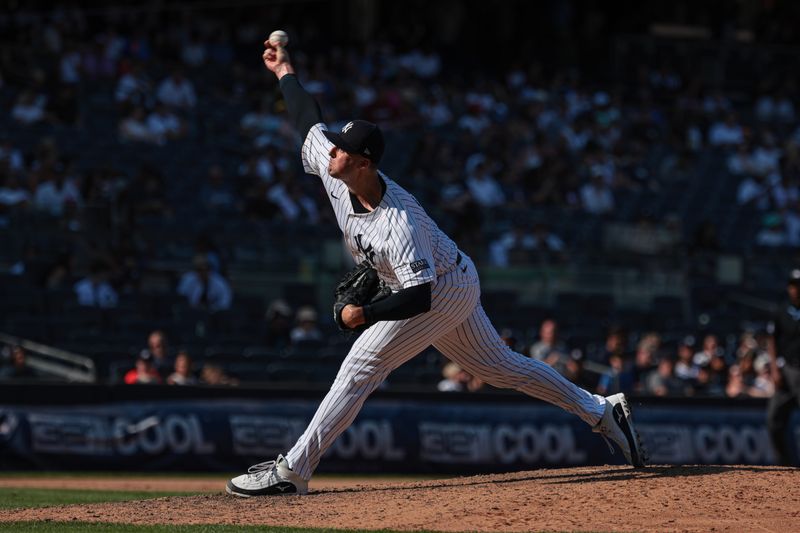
458 327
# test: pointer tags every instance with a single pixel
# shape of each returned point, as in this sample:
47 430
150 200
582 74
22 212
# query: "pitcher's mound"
607 498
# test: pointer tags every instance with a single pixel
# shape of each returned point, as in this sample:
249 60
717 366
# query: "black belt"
458 258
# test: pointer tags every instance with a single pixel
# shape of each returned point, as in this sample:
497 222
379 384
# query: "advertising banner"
387 436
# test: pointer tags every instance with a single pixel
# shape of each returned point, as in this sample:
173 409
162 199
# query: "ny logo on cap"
347 127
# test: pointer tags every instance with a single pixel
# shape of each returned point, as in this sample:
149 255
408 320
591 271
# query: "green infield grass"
18 497
84 474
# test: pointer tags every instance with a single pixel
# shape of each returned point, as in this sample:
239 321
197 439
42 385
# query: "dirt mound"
609 498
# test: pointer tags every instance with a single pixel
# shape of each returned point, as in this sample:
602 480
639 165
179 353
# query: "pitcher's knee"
502 381
358 380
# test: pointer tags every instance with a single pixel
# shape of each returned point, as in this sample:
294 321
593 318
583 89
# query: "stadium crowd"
505 160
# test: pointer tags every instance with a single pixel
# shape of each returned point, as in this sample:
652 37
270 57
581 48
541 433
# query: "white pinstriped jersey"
401 241
408 248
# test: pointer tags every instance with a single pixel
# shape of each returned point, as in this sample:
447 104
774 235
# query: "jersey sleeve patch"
419 265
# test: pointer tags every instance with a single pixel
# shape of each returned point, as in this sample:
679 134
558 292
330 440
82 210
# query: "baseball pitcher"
423 292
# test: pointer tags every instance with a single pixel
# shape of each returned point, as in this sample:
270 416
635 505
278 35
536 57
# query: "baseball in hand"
279 37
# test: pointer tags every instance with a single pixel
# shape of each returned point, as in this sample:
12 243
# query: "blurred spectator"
182 374
29 108
754 191
727 133
573 370
718 372
306 328
747 344
548 348
785 193
762 386
517 243
475 384
685 368
773 231
70 66
139 47
278 324
95 64
177 91
596 196
645 358
766 155
134 88
484 188
619 378
739 162
662 380
750 377
204 246
436 111
706 383
55 194
19 368
193 52
94 290
515 240
474 120
775 106
262 165
614 345
456 379
260 123
135 128
11 158
163 124
214 375
735 387
205 289
509 338
217 195
292 201
547 244
12 194
710 350
158 348
144 373
423 63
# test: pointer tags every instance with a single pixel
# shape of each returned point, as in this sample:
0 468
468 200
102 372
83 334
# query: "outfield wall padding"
161 428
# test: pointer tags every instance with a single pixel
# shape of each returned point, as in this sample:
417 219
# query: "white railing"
54 361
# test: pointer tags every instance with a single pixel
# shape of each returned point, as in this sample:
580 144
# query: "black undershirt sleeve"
400 305
303 110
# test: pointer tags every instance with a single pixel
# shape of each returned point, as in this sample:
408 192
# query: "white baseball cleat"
617 425
268 478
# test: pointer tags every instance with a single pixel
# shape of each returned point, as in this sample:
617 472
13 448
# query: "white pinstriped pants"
458 327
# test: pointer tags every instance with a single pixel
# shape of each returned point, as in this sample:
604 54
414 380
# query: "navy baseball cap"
359 137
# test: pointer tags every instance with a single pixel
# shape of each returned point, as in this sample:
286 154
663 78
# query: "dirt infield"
609 498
